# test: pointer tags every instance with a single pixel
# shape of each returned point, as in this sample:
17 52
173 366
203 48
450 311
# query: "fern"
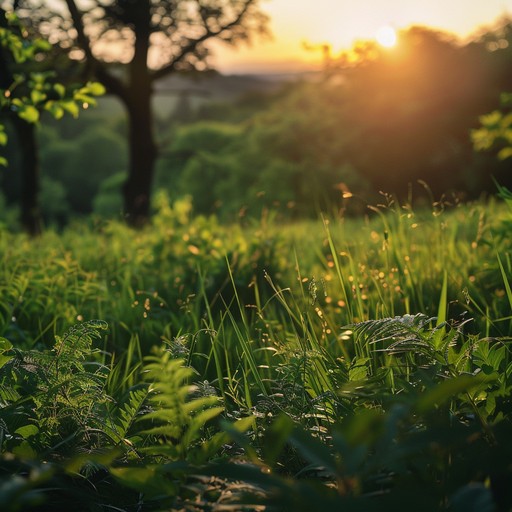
397 329
410 335
72 348
123 418
50 395
51 401
413 334
177 418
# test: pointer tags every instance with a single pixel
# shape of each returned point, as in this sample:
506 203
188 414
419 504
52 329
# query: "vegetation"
494 131
274 360
26 92
134 44
325 138
343 364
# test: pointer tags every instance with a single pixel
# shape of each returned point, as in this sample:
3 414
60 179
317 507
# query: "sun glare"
386 36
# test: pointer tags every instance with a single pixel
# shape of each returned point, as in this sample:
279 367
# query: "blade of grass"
442 312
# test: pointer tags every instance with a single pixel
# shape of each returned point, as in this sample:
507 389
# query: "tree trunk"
137 189
30 174
27 141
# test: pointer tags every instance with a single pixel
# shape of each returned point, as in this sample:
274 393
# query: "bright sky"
341 22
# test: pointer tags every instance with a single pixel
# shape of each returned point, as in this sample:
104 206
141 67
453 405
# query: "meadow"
337 364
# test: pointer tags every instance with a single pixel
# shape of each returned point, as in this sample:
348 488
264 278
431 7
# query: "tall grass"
338 351
166 280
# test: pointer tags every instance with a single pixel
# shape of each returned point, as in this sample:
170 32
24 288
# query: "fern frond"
178 415
398 329
127 414
414 334
53 389
77 341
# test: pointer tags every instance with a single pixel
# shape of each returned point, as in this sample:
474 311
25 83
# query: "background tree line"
380 122
384 123
127 45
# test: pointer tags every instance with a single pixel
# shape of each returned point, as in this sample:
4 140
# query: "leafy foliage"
217 387
31 91
323 144
428 432
50 398
495 131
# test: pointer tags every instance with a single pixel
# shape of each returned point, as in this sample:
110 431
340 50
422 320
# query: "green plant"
50 400
438 429
32 92
495 130
60 426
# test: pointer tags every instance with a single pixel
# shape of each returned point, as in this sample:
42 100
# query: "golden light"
386 36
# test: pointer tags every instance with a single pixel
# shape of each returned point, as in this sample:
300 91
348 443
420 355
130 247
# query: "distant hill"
215 86
206 87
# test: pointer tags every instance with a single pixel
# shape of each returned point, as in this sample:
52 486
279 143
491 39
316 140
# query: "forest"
295 146
254 292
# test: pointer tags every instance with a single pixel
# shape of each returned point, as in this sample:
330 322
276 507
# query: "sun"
386 36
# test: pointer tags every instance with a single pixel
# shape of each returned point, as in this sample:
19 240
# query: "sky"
341 22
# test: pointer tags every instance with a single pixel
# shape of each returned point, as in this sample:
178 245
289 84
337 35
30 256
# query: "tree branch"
82 38
113 84
193 44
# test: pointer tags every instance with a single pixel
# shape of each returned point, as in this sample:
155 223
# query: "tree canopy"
128 45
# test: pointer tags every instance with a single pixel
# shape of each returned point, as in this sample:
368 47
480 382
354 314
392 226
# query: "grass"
331 363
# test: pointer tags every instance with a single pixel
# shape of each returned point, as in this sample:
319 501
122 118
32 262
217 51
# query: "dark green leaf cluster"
50 400
27 92
56 413
432 423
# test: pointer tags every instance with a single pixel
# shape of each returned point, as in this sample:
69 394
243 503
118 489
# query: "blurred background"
329 107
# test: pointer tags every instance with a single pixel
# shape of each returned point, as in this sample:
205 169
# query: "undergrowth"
338 365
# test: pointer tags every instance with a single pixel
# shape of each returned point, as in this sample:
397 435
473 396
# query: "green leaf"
42 45
27 431
5 345
37 96
94 88
29 113
450 389
55 109
60 90
199 421
70 107
505 280
491 120
505 153
483 138
147 480
3 161
359 369
12 18
276 438
236 432
84 98
39 78
441 311
24 451
3 137
313 450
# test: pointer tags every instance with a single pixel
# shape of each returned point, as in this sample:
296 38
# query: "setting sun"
341 23
386 36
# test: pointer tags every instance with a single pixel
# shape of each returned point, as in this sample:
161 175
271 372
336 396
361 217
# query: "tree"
12 50
495 130
24 94
128 45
